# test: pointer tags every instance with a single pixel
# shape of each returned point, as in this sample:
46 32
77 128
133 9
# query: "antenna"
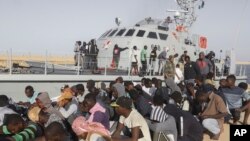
186 15
118 21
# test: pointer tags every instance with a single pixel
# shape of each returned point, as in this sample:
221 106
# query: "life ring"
203 42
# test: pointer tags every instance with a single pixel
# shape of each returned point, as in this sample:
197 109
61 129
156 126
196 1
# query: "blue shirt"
33 98
233 97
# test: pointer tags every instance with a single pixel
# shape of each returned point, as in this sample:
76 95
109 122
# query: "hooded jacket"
46 101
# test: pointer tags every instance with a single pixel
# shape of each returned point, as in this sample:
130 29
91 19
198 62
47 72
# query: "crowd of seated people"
152 110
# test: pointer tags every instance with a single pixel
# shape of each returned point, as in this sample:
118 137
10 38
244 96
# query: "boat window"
106 33
152 35
130 32
112 33
121 32
140 33
163 36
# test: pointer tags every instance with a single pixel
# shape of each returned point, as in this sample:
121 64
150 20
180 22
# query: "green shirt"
143 55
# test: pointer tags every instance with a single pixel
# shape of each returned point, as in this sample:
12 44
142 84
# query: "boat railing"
49 65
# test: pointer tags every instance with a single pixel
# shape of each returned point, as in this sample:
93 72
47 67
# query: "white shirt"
137 53
135 119
3 111
180 74
72 109
146 90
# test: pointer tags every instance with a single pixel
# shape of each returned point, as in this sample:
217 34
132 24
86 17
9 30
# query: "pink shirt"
95 108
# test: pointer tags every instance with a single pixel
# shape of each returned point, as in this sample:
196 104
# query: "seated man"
188 127
14 123
160 121
131 119
233 96
97 112
31 94
56 132
246 102
4 109
213 113
68 105
141 104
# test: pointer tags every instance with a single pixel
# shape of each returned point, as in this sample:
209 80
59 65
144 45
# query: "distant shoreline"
243 62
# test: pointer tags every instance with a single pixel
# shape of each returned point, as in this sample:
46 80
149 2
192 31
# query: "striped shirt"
233 97
158 114
27 134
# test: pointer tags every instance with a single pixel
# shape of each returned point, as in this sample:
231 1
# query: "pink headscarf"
80 125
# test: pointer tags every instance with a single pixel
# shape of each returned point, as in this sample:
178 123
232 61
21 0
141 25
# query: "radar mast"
187 16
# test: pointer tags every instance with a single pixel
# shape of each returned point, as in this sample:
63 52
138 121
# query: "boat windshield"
152 35
130 32
140 33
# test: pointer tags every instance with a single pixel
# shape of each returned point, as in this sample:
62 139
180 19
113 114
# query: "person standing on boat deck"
93 50
211 57
204 65
82 52
144 60
227 65
77 51
116 54
87 56
178 74
162 60
134 59
191 70
152 60
169 68
182 60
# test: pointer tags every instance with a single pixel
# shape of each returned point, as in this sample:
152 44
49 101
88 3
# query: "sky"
34 26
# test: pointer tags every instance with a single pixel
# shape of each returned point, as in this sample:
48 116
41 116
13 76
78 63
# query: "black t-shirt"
153 55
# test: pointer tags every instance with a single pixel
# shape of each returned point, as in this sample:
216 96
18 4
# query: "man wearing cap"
213 112
130 118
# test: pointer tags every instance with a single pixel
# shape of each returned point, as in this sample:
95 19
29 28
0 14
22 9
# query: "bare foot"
215 137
